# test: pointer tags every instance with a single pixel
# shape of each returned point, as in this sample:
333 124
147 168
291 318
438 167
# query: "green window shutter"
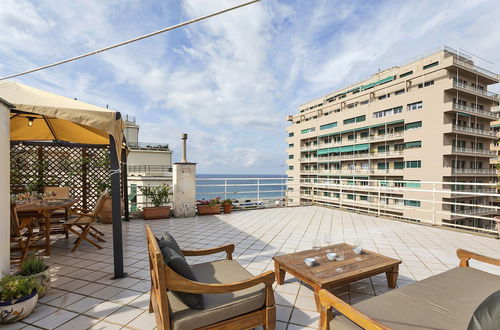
405 74
410 202
360 118
304 131
431 65
361 147
381 131
363 198
414 144
413 185
290 156
290 134
327 126
413 164
350 196
351 137
382 166
399 129
416 124
399 165
382 148
364 134
346 149
323 151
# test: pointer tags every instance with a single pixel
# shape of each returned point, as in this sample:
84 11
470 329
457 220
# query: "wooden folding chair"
21 234
81 224
58 216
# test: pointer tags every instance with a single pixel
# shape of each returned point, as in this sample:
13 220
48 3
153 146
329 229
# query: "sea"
241 187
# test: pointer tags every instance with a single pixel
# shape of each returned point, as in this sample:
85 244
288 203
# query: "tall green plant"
158 195
32 265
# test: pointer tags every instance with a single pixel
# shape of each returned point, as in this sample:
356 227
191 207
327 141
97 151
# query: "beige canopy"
42 116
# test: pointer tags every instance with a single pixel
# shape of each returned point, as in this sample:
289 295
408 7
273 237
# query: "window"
411 202
351 137
382 166
399 165
430 65
414 106
413 125
388 112
382 148
414 144
413 184
290 167
350 196
405 74
354 120
413 164
425 84
290 145
399 128
381 97
290 156
337 195
364 135
307 130
399 146
363 102
327 126
363 198
399 92
381 132
290 134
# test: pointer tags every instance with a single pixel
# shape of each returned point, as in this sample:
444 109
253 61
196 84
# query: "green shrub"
16 287
158 195
32 265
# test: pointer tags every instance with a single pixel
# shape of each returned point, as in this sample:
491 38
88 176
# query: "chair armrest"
229 249
177 282
328 300
465 256
81 214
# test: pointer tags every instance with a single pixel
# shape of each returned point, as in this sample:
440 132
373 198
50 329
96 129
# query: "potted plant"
36 267
18 297
227 206
159 197
206 207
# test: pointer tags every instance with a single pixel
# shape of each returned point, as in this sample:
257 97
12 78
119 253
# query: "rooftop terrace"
83 295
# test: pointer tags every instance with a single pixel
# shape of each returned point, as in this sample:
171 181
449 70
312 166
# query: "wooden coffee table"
324 274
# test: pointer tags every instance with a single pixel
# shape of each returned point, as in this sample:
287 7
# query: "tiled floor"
83 295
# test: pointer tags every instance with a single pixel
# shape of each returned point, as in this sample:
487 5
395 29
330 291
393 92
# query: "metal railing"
473 171
475 151
435 203
364 139
245 192
147 145
473 110
474 89
459 128
163 170
474 67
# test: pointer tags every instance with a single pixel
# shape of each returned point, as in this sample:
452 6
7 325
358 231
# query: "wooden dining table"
45 209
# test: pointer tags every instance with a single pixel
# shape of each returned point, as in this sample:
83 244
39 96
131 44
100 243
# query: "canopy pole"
116 210
125 183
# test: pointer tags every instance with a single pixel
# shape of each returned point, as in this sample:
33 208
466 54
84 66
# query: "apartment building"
422 123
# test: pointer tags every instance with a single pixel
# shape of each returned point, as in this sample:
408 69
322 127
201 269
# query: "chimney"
184 138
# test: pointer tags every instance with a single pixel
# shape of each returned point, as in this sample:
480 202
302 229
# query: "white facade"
4 190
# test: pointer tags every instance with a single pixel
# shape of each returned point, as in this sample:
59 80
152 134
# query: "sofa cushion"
444 301
221 306
487 315
169 240
178 264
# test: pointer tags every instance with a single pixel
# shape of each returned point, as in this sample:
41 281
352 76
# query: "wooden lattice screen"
84 169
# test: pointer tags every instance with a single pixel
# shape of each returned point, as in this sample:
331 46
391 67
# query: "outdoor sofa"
460 298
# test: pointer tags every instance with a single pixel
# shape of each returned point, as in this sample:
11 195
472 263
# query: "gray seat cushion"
444 301
218 307
487 315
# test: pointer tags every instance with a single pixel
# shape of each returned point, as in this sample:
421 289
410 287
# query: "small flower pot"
161 212
207 209
228 208
17 310
43 280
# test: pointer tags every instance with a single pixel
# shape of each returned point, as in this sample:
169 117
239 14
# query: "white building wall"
4 190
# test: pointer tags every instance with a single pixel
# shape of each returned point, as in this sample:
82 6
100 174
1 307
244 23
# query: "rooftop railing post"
378 201
225 188
433 204
258 192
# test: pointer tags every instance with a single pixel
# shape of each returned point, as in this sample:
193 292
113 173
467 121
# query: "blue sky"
229 81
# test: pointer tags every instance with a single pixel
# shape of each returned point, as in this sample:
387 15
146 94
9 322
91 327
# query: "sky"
230 81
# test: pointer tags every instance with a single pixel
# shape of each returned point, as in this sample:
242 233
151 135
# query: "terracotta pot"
207 209
161 212
11 312
228 208
106 211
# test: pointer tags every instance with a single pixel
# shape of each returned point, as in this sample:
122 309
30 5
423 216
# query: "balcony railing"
147 145
365 139
151 170
471 130
473 110
475 68
473 171
474 89
474 151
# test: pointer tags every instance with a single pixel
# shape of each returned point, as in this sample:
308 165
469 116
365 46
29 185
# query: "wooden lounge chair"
81 223
444 301
22 235
234 299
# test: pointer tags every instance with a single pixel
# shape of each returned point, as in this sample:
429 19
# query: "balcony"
478 171
148 146
391 136
471 211
475 111
310 147
478 91
474 151
475 68
149 170
473 131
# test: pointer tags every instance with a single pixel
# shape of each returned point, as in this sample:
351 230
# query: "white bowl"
309 261
331 255
358 250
